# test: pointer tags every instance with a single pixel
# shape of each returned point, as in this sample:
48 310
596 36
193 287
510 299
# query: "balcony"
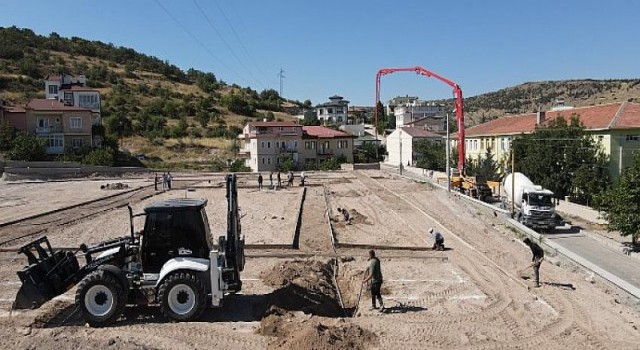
45 130
325 152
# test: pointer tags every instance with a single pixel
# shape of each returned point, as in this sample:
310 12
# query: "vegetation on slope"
143 96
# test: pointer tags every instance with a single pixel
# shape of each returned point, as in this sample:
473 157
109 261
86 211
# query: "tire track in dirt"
560 324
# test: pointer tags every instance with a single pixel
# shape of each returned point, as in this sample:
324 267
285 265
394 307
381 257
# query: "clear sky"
336 47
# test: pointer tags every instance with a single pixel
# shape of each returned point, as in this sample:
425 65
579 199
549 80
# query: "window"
53 89
326 145
277 144
268 144
76 143
475 145
88 100
56 141
262 146
268 160
43 123
280 129
76 122
262 160
330 110
600 138
295 144
632 137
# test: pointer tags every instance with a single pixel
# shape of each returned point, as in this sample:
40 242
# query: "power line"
240 41
200 43
227 44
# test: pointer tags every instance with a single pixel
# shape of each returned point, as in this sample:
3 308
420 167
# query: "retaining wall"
57 170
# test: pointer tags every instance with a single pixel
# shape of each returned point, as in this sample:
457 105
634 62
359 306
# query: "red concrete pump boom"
457 93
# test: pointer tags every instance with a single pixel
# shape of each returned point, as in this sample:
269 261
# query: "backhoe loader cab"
172 263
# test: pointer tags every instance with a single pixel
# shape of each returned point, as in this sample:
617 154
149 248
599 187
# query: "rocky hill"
528 97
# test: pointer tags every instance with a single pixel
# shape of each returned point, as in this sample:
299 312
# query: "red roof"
14 109
629 117
607 116
323 132
51 105
267 124
54 77
419 132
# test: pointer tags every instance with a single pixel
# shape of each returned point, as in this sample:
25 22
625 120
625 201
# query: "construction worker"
438 240
259 182
536 259
271 180
374 274
302 179
279 180
345 215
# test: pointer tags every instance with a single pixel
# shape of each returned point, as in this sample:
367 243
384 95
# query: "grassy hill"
529 96
174 117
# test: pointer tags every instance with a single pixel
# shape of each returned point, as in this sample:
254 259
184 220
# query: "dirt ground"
467 297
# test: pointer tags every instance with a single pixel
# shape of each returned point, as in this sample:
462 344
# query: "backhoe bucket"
48 275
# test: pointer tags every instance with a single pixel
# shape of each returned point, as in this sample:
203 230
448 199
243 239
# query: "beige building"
64 127
264 142
615 126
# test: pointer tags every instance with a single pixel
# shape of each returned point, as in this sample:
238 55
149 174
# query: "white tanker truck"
533 204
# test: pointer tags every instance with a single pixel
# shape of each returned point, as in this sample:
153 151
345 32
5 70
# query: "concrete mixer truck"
533 205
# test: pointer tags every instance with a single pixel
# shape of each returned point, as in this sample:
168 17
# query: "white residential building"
335 110
74 92
400 144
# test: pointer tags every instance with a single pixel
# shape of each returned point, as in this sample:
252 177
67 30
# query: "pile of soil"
358 218
114 186
303 285
324 335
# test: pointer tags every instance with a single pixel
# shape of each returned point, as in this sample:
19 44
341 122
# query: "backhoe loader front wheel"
100 297
182 296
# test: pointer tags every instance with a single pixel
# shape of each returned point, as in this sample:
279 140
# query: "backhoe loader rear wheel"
182 296
101 299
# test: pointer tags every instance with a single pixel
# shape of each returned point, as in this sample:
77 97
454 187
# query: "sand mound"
320 335
303 285
358 218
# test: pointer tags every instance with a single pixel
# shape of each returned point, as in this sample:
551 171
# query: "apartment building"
73 91
321 143
336 110
616 126
264 142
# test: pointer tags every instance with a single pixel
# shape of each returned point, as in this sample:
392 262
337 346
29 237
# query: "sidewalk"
585 213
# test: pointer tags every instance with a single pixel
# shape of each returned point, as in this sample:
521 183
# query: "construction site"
302 280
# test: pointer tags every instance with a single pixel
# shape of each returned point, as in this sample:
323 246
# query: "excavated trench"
306 289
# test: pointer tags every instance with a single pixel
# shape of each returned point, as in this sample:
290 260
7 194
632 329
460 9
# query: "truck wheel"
182 296
101 299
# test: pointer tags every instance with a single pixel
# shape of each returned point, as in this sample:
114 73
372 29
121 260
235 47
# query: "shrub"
27 147
100 156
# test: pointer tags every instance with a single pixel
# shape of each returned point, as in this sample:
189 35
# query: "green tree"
285 163
27 147
203 118
7 135
486 167
559 156
620 204
238 166
382 118
431 155
101 156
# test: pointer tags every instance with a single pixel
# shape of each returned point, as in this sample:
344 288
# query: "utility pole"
513 179
400 141
447 167
281 76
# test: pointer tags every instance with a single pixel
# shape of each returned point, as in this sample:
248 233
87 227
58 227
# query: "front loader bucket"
48 275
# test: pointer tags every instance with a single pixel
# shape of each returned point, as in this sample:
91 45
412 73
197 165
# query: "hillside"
529 96
173 116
